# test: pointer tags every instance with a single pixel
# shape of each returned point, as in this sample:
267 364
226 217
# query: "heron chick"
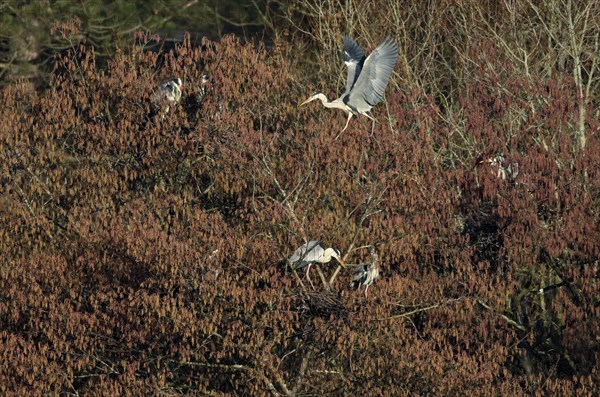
313 252
367 79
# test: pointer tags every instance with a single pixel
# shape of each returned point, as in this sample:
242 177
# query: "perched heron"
313 252
503 171
366 274
203 82
367 79
169 92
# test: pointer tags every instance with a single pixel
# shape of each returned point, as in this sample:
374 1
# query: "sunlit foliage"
143 255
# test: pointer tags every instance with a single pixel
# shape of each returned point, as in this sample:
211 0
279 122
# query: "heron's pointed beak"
305 102
341 262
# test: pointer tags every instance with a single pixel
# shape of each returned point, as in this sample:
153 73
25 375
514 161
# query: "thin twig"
405 315
508 319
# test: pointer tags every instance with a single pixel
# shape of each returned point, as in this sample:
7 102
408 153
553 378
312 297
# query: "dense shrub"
143 255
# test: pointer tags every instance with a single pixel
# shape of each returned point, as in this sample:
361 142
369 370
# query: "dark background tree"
27 49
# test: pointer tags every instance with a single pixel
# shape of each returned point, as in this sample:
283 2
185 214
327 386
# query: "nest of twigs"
325 304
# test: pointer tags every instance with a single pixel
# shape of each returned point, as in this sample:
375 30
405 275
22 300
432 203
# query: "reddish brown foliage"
144 256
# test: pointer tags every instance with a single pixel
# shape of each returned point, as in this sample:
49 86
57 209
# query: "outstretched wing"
354 57
370 85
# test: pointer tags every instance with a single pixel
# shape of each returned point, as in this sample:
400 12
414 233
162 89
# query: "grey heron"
366 274
169 92
313 252
367 79
203 82
503 171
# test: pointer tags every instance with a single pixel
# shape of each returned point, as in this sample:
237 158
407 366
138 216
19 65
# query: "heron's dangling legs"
346 126
374 121
347 122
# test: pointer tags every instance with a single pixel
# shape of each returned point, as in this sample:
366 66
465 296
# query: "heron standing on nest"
367 79
311 253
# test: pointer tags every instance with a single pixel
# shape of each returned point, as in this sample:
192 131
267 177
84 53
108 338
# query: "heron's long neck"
335 104
325 101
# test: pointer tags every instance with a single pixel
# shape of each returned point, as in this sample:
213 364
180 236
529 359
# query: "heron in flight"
367 79
366 274
313 252
169 92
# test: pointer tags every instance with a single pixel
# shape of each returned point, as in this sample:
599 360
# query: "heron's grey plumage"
313 252
169 92
306 254
370 85
367 79
365 274
354 57
203 82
